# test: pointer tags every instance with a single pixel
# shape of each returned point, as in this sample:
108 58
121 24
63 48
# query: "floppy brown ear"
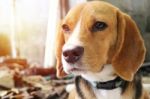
130 52
58 51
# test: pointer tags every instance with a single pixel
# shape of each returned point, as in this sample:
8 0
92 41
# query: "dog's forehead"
99 8
74 13
94 9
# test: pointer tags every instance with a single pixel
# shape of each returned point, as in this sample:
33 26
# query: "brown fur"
131 50
120 44
84 88
59 44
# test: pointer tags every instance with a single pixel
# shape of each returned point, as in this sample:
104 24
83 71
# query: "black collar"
109 85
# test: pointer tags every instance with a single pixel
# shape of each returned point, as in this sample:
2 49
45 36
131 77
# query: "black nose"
73 55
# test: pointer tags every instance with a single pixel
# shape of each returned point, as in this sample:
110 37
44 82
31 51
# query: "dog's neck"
107 74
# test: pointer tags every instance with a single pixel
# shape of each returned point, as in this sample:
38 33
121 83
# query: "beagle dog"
103 47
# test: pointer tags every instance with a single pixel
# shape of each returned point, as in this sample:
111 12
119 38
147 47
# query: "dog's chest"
108 94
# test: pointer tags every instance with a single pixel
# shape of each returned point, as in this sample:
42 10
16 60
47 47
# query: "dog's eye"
66 28
98 26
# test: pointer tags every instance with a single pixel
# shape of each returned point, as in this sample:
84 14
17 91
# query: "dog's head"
94 34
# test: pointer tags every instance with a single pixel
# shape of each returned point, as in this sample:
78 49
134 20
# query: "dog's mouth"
81 69
77 70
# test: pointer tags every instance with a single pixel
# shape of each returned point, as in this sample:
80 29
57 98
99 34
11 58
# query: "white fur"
72 42
108 94
70 87
105 75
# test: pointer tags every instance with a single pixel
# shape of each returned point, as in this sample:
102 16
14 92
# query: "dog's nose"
73 55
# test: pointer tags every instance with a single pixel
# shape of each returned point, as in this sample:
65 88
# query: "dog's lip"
76 69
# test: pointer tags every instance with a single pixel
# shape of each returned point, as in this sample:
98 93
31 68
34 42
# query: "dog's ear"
58 50
130 49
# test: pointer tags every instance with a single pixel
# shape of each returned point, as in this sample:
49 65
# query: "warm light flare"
12 28
49 59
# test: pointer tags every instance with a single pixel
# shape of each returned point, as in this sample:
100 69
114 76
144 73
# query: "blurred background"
27 34
27 27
